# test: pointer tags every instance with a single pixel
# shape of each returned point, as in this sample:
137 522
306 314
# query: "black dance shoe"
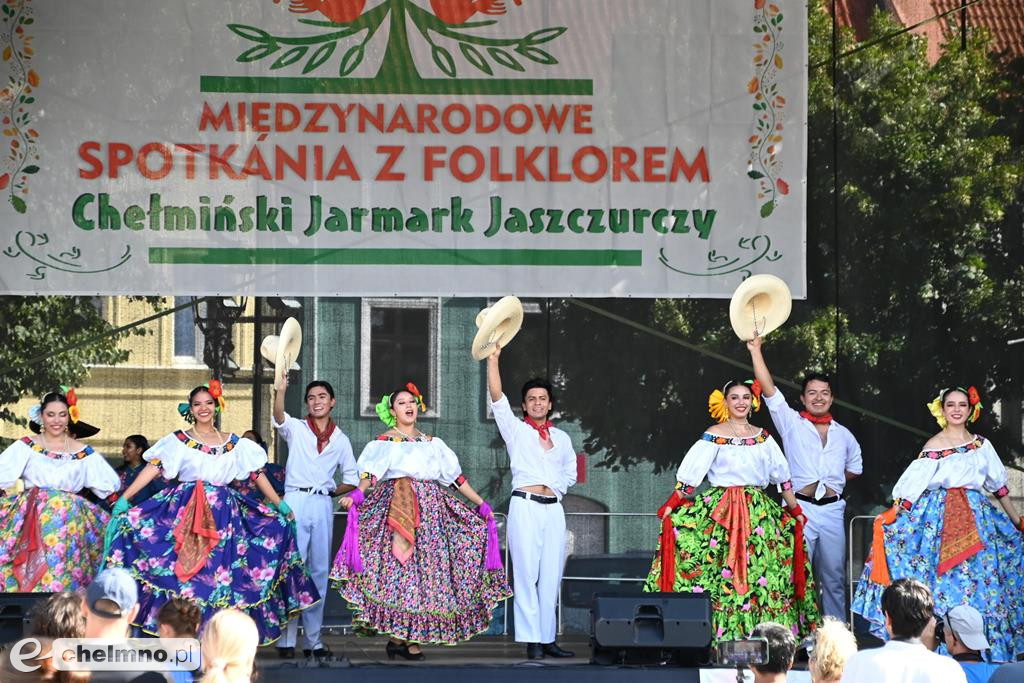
286 652
552 650
403 651
534 651
322 652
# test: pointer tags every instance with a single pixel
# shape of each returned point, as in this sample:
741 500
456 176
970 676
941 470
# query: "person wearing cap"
202 539
110 605
823 455
50 536
732 541
943 530
417 563
543 464
963 634
317 450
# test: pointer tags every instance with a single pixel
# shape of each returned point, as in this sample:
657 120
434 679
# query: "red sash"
195 536
29 558
733 514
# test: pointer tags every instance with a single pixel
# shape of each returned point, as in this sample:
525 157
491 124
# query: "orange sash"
960 537
30 558
403 518
733 514
879 566
195 536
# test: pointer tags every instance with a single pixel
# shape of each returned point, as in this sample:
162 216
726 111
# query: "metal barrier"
854 578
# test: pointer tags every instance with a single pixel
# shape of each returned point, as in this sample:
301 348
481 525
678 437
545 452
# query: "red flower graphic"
340 11
457 11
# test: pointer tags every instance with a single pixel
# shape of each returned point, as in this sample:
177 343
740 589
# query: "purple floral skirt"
255 565
442 594
70 532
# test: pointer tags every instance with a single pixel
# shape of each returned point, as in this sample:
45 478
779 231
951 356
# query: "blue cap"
116 586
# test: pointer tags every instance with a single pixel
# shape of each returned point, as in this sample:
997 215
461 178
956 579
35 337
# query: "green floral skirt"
702 566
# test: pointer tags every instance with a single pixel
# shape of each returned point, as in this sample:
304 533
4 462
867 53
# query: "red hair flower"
411 388
755 388
216 390
973 396
72 397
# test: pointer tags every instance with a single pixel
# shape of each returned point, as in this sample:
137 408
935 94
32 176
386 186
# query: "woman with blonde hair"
229 643
833 645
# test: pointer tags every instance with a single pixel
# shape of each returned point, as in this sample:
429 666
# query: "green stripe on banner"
407 257
411 86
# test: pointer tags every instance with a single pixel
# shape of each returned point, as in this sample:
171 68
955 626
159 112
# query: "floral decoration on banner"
766 139
16 99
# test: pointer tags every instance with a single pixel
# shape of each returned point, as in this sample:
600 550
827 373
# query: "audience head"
178 618
58 616
111 602
253 435
229 643
908 608
781 648
833 645
965 630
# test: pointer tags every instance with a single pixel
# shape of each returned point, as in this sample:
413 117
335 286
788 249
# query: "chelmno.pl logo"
107 654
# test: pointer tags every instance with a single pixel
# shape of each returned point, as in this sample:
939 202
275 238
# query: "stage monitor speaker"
651 627
15 613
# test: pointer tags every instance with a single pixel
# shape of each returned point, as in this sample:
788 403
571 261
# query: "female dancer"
430 569
203 540
132 450
733 541
943 531
50 537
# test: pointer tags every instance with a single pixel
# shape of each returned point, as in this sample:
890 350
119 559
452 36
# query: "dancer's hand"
755 343
282 386
345 502
484 510
120 507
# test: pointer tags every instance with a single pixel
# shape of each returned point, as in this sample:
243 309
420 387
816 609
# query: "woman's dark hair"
182 616
53 396
736 383
320 383
197 390
58 616
540 383
395 393
945 394
141 442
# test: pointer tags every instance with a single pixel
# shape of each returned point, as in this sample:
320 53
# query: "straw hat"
282 349
497 324
760 304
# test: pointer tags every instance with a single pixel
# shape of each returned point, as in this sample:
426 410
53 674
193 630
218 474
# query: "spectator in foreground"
229 643
781 648
179 618
964 635
908 609
59 616
1008 673
833 645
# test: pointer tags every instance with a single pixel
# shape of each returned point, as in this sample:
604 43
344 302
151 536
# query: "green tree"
34 329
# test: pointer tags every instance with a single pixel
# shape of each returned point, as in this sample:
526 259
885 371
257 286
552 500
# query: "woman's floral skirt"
442 593
69 541
991 581
702 554
254 564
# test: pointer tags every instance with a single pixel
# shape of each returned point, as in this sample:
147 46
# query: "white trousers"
313 522
826 541
536 541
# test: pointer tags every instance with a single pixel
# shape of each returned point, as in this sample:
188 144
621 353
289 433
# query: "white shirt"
429 460
974 465
901 662
809 461
734 461
531 464
70 472
308 468
186 459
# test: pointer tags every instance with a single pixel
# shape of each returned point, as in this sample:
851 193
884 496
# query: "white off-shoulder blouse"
428 459
182 457
973 465
71 472
734 461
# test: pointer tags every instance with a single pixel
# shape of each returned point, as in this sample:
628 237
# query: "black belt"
311 489
543 500
818 501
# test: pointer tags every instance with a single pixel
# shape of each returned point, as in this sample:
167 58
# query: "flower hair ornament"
74 412
716 401
935 407
214 388
35 414
411 388
383 409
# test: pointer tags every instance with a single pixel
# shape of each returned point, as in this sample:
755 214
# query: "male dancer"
543 466
823 455
316 448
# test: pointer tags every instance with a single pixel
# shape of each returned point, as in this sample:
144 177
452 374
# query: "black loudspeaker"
15 613
651 628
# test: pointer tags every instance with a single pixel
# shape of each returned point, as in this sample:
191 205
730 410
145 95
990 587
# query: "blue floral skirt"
254 566
991 581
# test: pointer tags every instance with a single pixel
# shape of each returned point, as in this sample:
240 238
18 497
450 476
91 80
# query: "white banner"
416 147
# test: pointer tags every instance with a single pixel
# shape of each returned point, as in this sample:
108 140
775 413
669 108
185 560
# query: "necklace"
411 438
216 435
67 444
732 426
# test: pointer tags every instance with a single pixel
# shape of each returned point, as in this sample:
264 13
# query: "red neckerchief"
321 437
542 428
817 419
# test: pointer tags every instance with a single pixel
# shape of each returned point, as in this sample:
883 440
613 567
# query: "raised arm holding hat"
543 464
317 450
823 455
51 537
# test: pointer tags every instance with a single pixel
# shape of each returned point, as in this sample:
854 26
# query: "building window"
400 342
526 356
188 340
